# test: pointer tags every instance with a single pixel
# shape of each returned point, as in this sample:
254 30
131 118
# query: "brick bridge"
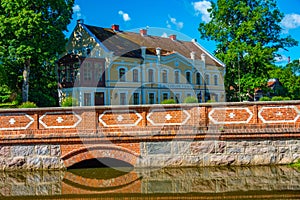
151 135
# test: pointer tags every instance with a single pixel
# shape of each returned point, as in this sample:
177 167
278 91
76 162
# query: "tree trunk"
25 87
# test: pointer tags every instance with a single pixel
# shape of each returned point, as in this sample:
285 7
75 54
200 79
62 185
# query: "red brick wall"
120 130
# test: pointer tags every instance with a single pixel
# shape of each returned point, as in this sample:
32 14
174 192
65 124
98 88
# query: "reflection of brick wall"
120 131
128 183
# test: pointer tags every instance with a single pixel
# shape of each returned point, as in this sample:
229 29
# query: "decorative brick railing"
122 121
152 135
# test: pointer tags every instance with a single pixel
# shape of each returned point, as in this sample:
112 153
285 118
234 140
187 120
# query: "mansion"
108 66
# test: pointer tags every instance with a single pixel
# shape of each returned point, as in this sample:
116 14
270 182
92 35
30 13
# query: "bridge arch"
100 151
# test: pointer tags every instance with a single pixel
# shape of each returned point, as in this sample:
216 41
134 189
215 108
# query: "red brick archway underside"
101 151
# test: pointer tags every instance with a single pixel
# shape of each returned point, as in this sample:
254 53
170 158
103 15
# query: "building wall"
171 63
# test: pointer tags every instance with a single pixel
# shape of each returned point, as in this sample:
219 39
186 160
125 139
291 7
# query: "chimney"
143 32
158 50
80 21
193 54
203 57
115 27
172 37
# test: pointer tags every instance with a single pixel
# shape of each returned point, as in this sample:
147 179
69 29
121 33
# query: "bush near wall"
190 100
265 99
168 101
277 98
28 105
69 101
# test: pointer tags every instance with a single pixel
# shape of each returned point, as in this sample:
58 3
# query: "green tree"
295 67
247 33
31 35
289 79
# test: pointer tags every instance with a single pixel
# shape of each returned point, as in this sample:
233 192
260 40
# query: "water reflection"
279 182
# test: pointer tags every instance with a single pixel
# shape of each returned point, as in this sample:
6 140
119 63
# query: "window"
177 78
198 78
150 75
199 97
216 79
216 97
87 99
98 72
136 98
188 77
151 98
207 79
87 72
165 96
69 74
177 98
122 74
164 76
135 74
122 98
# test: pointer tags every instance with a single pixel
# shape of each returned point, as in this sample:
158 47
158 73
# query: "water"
280 182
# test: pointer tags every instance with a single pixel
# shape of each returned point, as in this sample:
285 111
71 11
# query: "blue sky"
182 17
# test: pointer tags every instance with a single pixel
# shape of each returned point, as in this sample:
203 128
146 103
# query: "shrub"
286 98
168 101
210 101
69 101
265 99
277 98
191 100
28 104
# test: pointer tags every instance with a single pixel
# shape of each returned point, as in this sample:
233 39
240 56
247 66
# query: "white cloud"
77 11
201 8
179 25
168 25
282 58
164 35
290 21
124 15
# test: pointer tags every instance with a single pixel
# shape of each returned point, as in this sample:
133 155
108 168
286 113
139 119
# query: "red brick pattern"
284 114
168 117
15 121
231 115
60 120
117 118
102 151
78 130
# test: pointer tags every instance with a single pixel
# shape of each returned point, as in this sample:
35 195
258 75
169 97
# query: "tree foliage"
289 79
31 36
248 37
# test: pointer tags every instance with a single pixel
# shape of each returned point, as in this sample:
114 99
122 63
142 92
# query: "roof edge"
96 39
209 54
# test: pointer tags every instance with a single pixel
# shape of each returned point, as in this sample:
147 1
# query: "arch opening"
102 163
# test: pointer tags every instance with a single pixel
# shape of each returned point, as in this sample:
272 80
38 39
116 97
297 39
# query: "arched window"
135 75
122 74
207 81
164 76
150 75
198 78
188 77
216 79
177 77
